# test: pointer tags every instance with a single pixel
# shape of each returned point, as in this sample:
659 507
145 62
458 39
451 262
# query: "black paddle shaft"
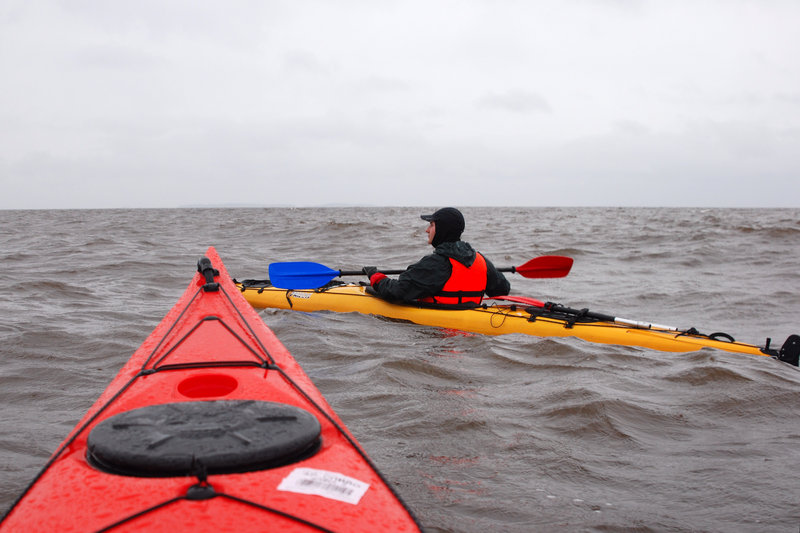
578 312
396 272
361 272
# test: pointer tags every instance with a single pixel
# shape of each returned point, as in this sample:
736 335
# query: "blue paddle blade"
300 275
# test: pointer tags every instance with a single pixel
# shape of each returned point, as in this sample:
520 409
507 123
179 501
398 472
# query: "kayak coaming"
488 319
210 346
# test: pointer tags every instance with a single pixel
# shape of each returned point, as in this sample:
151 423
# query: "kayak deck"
488 319
210 426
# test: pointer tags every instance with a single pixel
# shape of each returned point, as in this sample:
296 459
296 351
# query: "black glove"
375 277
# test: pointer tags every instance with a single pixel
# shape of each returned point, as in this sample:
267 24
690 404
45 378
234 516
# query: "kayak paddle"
588 314
307 275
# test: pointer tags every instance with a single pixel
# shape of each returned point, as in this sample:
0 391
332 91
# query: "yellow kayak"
522 315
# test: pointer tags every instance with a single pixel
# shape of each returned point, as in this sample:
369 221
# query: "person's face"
431 231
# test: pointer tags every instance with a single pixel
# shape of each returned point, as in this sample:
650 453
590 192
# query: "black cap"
446 214
449 224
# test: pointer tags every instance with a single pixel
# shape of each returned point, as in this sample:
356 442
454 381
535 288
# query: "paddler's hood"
459 250
449 225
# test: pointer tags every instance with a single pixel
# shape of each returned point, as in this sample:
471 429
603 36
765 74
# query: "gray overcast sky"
165 103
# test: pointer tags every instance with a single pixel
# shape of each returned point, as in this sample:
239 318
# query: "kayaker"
454 274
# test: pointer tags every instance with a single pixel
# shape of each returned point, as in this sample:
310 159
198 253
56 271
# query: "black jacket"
428 276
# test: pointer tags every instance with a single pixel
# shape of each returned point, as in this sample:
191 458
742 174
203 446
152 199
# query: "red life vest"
465 285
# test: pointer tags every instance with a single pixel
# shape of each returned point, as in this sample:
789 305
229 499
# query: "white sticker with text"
305 295
331 485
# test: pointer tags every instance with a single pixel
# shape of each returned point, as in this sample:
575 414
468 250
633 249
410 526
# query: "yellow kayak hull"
489 319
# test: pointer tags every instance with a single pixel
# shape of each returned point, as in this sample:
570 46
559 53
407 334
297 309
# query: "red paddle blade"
546 266
518 299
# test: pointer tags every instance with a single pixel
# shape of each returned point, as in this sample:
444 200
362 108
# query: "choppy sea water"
477 433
